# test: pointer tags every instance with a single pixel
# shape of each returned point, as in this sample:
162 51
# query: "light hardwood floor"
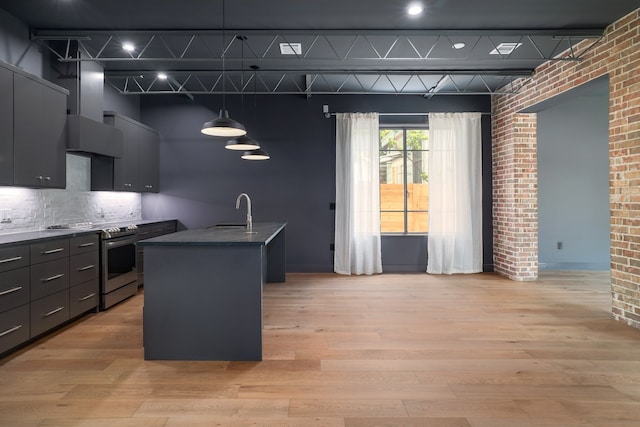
388 350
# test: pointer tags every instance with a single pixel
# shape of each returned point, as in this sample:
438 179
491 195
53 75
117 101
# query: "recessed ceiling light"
414 9
162 76
291 48
459 45
505 48
128 46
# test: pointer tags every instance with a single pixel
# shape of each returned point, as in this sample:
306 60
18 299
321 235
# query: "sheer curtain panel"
455 193
357 239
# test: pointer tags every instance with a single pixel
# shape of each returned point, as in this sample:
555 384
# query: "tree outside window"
404 180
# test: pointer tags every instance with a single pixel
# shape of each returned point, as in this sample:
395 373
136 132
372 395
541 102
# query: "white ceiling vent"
505 48
291 48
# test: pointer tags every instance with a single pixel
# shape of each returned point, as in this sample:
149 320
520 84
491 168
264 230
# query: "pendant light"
223 125
256 155
243 143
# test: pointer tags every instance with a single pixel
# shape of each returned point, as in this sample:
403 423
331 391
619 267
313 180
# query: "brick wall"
514 162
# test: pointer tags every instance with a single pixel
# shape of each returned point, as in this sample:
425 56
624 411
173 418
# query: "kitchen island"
203 291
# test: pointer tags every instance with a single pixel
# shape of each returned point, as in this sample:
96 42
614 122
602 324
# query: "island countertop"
223 235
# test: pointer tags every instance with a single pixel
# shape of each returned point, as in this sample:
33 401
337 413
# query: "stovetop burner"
117 231
74 226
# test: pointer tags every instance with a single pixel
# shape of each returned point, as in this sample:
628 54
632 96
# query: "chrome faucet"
249 219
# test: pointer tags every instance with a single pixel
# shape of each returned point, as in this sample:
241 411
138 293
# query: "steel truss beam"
329 46
319 83
331 62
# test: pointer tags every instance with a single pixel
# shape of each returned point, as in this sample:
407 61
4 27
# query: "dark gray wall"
573 181
128 105
200 179
16 48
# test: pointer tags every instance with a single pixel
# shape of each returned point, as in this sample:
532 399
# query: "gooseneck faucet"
249 218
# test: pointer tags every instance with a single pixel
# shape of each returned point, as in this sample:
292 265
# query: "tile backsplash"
24 209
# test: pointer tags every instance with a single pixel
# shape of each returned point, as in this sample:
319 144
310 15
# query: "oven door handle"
120 242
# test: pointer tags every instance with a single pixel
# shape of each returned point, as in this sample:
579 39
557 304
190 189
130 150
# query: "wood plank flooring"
387 350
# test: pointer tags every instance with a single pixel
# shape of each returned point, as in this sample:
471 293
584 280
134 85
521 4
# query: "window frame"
405 163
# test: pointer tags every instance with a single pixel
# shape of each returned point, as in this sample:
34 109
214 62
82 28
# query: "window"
404 180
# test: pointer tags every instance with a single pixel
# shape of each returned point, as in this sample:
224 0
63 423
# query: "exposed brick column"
514 162
515 207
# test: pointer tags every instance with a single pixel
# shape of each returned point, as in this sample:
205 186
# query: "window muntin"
404 187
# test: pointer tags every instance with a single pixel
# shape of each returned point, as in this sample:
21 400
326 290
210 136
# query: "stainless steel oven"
118 279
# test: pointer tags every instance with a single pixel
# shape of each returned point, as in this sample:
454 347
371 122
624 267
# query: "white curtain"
455 193
357 239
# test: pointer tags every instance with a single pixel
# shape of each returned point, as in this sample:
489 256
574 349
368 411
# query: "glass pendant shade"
223 126
243 143
256 155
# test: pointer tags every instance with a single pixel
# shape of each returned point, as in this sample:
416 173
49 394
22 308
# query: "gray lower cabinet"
49 312
45 284
14 327
15 324
84 274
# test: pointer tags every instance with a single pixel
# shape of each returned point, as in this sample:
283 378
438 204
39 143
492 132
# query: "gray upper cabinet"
39 133
6 127
149 157
137 168
125 168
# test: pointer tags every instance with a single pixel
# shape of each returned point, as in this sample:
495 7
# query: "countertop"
26 236
262 234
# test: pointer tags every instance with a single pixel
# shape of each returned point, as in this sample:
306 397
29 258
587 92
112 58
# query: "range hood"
86 131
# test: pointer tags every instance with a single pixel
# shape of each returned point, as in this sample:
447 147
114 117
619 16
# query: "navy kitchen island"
203 291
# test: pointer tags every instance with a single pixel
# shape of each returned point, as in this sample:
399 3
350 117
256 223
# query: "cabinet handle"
87 297
54 311
86 267
39 177
48 279
47 178
8 331
86 245
52 251
15 258
10 291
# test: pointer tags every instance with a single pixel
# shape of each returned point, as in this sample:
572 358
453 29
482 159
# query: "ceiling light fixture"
505 48
256 155
414 9
243 143
162 76
223 125
459 46
290 48
128 46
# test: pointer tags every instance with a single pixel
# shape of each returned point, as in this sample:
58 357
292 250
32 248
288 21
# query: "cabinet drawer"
83 297
49 250
14 288
49 312
14 257
14 327
83 267
83 244
49 277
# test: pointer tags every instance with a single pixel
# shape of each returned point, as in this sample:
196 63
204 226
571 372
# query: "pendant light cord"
224 84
